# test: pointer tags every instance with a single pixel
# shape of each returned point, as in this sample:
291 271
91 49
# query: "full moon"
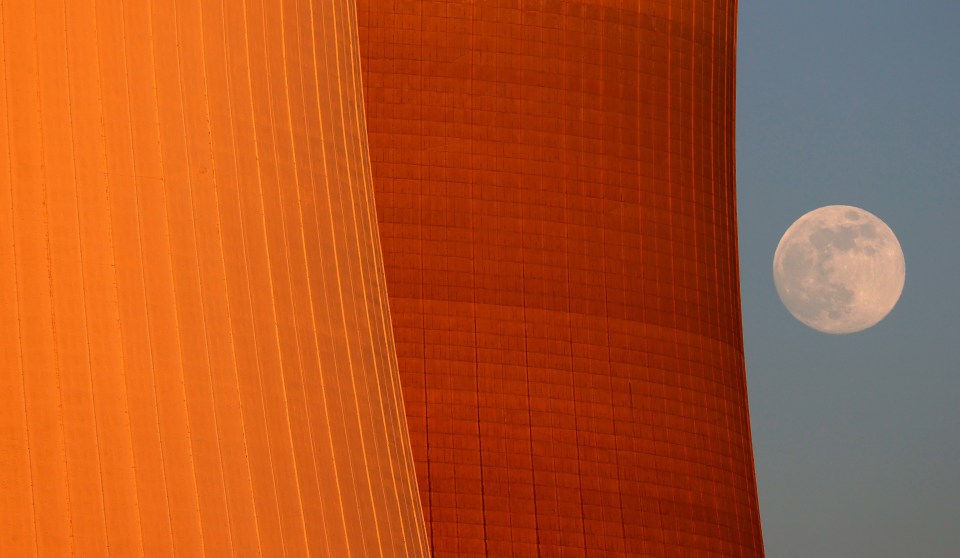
839 269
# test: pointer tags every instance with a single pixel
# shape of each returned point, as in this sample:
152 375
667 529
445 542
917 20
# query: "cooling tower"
555 189
195 347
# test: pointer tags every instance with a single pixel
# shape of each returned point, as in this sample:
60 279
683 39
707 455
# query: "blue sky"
857 437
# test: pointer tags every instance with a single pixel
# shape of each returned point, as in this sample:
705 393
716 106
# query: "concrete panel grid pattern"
555 189
204 204
195 347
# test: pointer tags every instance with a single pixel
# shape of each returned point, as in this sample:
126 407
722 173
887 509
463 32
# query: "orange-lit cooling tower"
195 348
555 192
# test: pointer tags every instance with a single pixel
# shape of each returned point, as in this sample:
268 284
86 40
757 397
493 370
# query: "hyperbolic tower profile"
555 190
195 347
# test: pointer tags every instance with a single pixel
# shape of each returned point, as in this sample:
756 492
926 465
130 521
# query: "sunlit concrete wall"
195 347
555 191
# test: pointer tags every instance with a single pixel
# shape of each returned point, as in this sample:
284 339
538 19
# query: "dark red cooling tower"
555 188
